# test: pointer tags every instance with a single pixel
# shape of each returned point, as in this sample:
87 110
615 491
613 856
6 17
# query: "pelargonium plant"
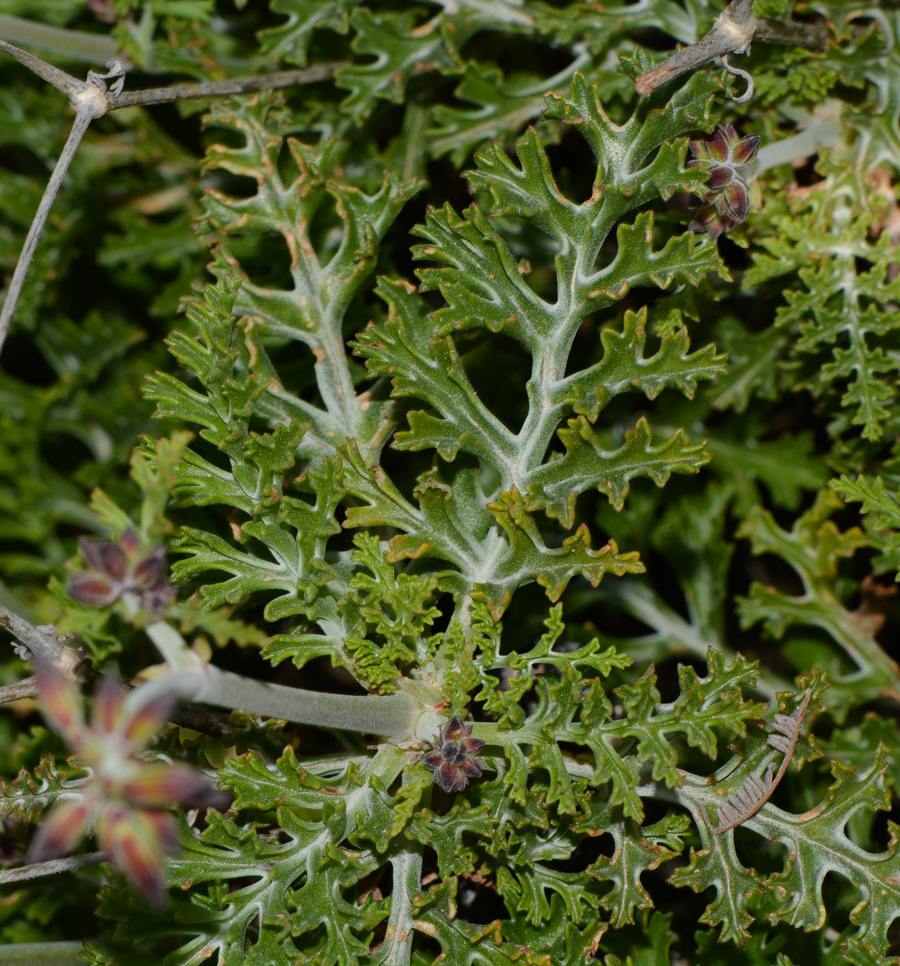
524 595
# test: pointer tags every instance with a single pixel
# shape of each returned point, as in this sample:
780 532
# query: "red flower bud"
124 797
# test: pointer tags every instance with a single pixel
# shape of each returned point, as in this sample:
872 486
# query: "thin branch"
731 33
33 640
91 99
38 869
755 792
82 120
811 36
238 85
26 688
62 81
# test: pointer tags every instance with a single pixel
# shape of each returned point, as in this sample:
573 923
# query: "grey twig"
40 641
731 33
82 120
26 688
239 85
90 99
38 869
62 81
812 36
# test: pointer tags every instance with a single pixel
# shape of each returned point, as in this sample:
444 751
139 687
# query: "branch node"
96 97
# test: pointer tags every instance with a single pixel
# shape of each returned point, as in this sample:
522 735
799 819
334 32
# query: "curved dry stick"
756 792
731 33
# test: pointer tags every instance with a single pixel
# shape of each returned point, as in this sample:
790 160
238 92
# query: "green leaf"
719 867
649 948
882 515
464 943
396 609
528 558
294 532
840 308
813 549
310 302
290 40
430 369
500 107
624 367
633 856
555 485
29 796
818 844
402 47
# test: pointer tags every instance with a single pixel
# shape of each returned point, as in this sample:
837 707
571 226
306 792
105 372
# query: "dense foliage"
590 514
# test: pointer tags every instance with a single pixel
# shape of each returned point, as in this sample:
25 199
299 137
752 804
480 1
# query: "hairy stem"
72 44
392 715
821 134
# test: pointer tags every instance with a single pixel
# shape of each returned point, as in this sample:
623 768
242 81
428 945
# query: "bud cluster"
731 191
118 568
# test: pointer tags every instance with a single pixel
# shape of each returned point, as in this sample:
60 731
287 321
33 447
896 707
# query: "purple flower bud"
730 191
147 571
118 568
93 589
453 759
